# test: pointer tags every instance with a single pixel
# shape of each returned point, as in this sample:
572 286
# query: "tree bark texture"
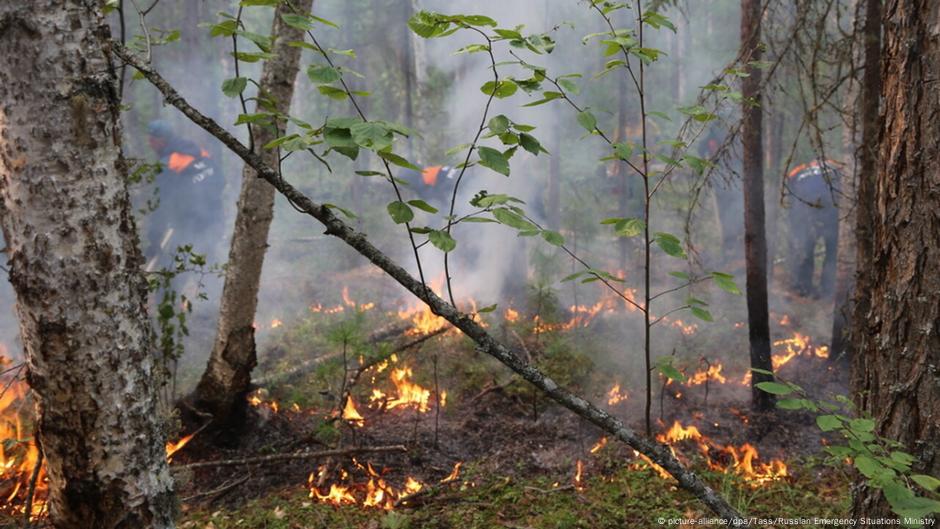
75 266
898 344
755 234
227 378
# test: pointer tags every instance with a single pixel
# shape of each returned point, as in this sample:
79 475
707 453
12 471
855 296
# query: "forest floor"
495 453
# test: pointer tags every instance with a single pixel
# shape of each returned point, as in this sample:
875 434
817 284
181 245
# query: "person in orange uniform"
190 190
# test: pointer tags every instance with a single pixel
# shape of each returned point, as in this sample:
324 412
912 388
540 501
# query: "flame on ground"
453 473
173 447
377 492
18 452
742 460
712 373
579 476
351 414
616 396
601 443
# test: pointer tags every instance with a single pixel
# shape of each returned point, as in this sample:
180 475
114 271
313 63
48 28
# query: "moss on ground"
627 497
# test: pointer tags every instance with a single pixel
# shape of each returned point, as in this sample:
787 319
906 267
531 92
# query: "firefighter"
813 216
190 199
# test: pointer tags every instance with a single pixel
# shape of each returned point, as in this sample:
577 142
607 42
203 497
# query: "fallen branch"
225 487
309 365
301 455
657 452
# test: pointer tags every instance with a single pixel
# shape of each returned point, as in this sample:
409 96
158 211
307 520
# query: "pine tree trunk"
898 345
75 266
839 350
227 378
755 238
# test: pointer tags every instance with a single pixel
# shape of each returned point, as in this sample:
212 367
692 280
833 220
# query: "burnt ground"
493 422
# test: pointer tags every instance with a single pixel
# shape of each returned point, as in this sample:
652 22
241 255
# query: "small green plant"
883 462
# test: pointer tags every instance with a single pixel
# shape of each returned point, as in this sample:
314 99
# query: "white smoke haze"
491 263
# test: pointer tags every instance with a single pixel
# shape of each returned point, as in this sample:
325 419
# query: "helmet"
159 128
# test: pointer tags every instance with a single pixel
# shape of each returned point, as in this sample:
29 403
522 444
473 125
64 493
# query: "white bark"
75 267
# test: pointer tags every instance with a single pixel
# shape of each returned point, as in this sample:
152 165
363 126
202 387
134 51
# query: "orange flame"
351 414
601 443
453 473
578 476
18 452
712 373
615 396
174 447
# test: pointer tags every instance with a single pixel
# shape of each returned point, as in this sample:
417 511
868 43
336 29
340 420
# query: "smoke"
491 263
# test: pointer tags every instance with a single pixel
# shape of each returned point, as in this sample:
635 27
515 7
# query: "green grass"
625 497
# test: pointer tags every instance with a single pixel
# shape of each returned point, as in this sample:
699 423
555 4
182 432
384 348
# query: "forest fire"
453 473
741 460
375 493
579 476
351 414
713 372
173 447
19 454
616 396
408 394
599 445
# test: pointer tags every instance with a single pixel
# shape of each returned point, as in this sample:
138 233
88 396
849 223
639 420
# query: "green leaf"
400 212
629 227
323 74
868 466
233 87
344 211
774 388
530 144
670 244
791 404
442 240
587 120
371 135
701 313
553 237
332 92
488 308
726 283
512 219
928 482
499 124
422 205
494 159
500 90
862 425
393 158
828 423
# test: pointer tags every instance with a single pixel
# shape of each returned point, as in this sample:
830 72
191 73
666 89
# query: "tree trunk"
867 161
227 378
897 343
755 237
839 350
75 266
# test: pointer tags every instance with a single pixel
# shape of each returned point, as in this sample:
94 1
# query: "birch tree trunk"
898 345
75 266
227 378
755 234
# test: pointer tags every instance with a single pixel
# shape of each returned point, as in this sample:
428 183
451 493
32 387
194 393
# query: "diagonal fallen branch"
658 453
302 455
